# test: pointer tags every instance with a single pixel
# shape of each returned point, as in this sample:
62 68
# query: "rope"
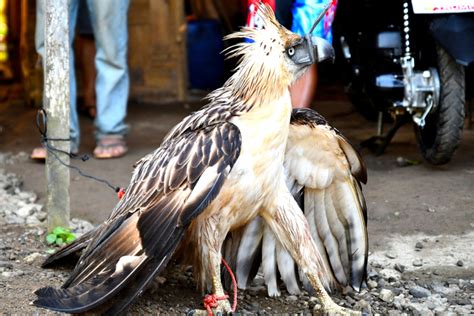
42 124
211 300
234 284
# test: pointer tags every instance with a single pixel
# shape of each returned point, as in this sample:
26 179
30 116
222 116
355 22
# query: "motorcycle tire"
441 135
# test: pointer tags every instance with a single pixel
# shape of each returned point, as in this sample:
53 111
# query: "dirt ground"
421 217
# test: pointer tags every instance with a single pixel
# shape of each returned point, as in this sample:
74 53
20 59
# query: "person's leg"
109 21
304 89
85 57
40 153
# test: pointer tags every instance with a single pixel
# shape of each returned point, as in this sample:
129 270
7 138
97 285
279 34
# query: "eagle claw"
223 308
335 309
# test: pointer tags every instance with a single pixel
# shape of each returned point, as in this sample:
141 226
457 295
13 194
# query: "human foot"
110 146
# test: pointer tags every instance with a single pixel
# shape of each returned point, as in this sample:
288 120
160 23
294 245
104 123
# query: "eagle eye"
291 51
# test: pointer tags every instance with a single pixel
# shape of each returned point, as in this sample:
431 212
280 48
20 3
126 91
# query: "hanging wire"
42 124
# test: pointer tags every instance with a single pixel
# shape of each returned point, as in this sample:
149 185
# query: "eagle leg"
213 239
288 223
216 302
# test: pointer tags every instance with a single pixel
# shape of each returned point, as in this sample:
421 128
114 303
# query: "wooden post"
56 103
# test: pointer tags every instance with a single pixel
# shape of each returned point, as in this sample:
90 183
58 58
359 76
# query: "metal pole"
56 104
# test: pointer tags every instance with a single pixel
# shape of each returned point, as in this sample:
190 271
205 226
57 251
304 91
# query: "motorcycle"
405 61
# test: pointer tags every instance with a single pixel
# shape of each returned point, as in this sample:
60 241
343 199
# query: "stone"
462 310
27 210
255 290
459 263
373 275
6 265
388 274
419 292
372 284
363 306
399 267
438 287
7 274
32 220
34 257
419 245
259 281
41 216
391 255
386 295
417 262
292 298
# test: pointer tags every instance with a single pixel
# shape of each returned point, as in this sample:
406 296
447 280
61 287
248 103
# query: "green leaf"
50 251
51 239
59 242
60 230
70 238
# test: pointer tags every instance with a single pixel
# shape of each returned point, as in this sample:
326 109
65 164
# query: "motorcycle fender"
455 33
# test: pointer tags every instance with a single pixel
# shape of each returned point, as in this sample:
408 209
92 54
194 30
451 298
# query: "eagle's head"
272 57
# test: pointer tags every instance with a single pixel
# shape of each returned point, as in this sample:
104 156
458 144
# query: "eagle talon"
335 309
223 308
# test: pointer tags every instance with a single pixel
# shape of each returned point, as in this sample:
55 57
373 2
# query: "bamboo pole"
56 103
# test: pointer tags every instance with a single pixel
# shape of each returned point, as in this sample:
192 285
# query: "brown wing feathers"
324 173
168 189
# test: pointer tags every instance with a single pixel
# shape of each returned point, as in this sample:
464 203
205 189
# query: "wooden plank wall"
157 51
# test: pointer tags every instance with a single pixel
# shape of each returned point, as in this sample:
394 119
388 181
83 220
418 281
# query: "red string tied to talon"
210 300
120 193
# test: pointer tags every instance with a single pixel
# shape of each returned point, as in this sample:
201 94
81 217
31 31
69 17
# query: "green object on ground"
60 236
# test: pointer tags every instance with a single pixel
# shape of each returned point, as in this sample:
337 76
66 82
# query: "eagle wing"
324 173
169 188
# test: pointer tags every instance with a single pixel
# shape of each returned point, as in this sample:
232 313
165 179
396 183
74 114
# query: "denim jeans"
109 22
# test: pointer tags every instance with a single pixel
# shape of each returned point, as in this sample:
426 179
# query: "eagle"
217 171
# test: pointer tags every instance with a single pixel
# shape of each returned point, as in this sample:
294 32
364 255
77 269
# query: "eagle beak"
313 50
322 49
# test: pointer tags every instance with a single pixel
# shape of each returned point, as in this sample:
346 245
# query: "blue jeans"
109 22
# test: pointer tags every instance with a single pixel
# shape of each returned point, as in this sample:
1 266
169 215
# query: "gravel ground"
414 274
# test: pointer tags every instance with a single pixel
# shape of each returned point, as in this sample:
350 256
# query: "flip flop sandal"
110 146
39 153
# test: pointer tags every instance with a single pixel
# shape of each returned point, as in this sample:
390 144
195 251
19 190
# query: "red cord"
210 300
234 283
121 193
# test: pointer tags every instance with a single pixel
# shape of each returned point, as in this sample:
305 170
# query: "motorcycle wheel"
441 135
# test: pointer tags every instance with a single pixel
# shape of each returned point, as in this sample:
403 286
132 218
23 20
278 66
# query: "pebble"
386 295
399 267
372 284
7 274
255 290
364 306
292 298
419 245
34 257
391 255
390 274
417 263
419 292
459 263
6 265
